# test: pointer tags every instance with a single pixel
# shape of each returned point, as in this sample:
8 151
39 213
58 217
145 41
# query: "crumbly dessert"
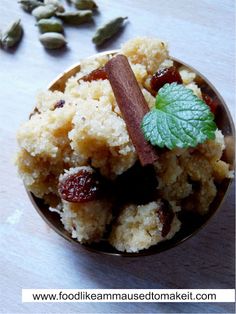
77 155
140 226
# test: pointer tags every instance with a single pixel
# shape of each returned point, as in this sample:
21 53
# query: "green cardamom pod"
50 25
85 4
56 3
29 5
108 30
52 40
77 17
12 35
44 12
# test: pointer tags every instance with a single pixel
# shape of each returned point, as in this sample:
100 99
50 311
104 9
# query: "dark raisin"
81 187
95 75
163 76
59 104
166 216
210 102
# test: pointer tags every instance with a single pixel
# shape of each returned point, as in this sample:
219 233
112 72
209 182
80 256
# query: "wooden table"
32 256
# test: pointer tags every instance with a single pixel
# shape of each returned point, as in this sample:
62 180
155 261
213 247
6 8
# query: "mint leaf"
180 119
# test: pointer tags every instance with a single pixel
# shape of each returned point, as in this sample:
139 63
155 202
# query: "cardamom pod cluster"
51 15
12 35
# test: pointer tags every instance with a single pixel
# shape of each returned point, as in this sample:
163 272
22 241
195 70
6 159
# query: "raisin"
95 75
81 187
166 216
59 104
210 102
163 76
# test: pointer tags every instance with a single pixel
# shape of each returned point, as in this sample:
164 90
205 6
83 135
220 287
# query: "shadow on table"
57 52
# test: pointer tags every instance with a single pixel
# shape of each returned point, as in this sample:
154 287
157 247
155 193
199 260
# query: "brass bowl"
191 223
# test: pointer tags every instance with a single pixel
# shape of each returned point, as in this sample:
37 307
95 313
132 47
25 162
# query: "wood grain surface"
202 34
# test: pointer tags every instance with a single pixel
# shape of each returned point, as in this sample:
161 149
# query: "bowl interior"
191 223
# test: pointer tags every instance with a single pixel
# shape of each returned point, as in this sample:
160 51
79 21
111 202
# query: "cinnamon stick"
132 105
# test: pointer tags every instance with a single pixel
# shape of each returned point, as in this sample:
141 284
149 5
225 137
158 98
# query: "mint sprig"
179 119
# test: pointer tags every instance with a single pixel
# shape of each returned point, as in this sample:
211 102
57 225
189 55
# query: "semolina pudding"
76 153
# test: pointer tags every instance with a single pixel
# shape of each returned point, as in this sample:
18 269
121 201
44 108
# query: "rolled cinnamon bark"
132 105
